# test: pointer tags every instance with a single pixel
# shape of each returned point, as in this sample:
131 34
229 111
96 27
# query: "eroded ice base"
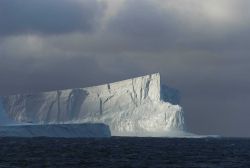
56 130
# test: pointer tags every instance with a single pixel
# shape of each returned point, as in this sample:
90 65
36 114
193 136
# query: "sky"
200 47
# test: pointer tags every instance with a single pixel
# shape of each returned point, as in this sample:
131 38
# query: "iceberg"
135 107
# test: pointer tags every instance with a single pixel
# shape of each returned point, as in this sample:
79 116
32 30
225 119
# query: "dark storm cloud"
41 74
48 17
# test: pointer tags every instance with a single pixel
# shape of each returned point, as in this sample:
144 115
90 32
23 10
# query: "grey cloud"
48 17
142 19
144 25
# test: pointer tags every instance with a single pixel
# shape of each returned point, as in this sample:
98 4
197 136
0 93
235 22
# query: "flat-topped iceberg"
135 107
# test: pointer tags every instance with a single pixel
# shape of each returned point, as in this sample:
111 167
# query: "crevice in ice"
58 105
101 107
109 98
49 115
147 88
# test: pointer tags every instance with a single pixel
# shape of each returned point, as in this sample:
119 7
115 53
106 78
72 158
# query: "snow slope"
56 130
133 107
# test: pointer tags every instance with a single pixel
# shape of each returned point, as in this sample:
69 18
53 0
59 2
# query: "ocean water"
124 152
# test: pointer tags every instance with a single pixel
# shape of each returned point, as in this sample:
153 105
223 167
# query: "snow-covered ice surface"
56 130
135 107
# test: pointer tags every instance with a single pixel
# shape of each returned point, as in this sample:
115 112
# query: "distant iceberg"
135 107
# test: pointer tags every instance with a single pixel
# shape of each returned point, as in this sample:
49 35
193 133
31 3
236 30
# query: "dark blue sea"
124 152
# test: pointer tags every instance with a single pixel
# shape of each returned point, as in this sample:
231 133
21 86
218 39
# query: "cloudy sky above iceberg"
200 47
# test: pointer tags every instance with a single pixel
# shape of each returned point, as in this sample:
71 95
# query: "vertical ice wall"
130 107
4 118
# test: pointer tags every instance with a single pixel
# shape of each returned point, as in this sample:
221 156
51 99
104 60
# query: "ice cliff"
134 107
